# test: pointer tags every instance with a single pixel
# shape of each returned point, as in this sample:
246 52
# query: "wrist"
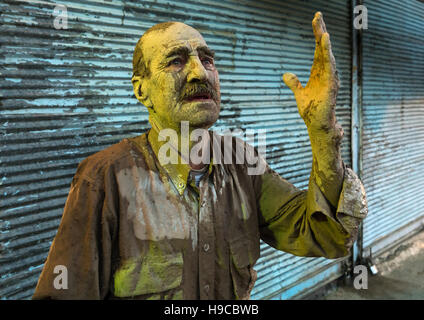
325 145
328 135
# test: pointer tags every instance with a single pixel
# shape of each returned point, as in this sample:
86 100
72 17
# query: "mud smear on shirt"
156 212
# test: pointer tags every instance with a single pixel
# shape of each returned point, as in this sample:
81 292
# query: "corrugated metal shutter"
393 118
67 94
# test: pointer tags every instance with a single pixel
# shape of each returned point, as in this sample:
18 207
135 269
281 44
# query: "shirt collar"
178 173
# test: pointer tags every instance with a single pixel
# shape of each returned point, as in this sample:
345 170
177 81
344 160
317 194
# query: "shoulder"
107 161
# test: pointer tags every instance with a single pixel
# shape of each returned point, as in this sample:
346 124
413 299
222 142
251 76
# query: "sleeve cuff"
351 208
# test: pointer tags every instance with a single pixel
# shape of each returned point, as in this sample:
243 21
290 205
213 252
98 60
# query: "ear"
140 90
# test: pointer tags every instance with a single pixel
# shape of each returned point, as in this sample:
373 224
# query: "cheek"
177 81
216 84
215 79
171 86
166 87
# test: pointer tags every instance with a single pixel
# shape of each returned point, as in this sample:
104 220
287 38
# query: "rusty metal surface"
66 94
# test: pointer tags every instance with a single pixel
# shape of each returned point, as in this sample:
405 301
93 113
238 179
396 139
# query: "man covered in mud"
137 227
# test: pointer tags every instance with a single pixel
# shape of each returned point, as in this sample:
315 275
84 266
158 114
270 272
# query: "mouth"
199 97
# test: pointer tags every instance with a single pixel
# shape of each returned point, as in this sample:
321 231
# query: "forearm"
324 220
327 165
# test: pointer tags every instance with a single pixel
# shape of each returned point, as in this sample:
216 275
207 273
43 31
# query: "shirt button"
181 185
206 247
206 288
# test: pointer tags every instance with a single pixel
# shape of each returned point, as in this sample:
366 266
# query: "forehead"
158 43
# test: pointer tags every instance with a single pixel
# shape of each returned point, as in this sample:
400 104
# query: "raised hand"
316 101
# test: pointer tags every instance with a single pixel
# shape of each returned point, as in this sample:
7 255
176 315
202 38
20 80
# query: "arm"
324 220
82 244
305 223
316 103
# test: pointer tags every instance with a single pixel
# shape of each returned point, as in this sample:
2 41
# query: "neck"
180 140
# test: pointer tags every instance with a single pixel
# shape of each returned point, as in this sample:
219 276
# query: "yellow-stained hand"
316 101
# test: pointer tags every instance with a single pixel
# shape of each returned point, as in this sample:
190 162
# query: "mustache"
191 90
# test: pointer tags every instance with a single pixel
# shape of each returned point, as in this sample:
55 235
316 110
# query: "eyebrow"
207 51
177 51
185 51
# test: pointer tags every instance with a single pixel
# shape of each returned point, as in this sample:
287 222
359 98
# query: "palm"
317 100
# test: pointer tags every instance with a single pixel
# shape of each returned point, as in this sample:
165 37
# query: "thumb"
292 82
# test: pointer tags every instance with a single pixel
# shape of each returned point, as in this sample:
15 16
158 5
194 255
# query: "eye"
207 62
177 62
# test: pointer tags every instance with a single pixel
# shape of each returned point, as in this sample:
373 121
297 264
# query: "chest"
225 202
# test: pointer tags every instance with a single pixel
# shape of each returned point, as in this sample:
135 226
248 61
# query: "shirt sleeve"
304 223
79 262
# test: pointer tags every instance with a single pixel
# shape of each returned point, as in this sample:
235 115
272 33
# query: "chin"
203 120
201 115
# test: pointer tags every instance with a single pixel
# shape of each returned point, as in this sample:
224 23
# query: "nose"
197 72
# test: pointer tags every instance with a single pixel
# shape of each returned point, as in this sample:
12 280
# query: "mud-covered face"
183 83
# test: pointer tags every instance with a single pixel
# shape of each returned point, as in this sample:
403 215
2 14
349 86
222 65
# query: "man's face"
183 83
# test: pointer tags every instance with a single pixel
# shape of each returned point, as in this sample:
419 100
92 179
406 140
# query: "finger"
292 82
319 29
328 57
318 25
330 69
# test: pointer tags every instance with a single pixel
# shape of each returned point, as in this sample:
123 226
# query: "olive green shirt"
132 228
